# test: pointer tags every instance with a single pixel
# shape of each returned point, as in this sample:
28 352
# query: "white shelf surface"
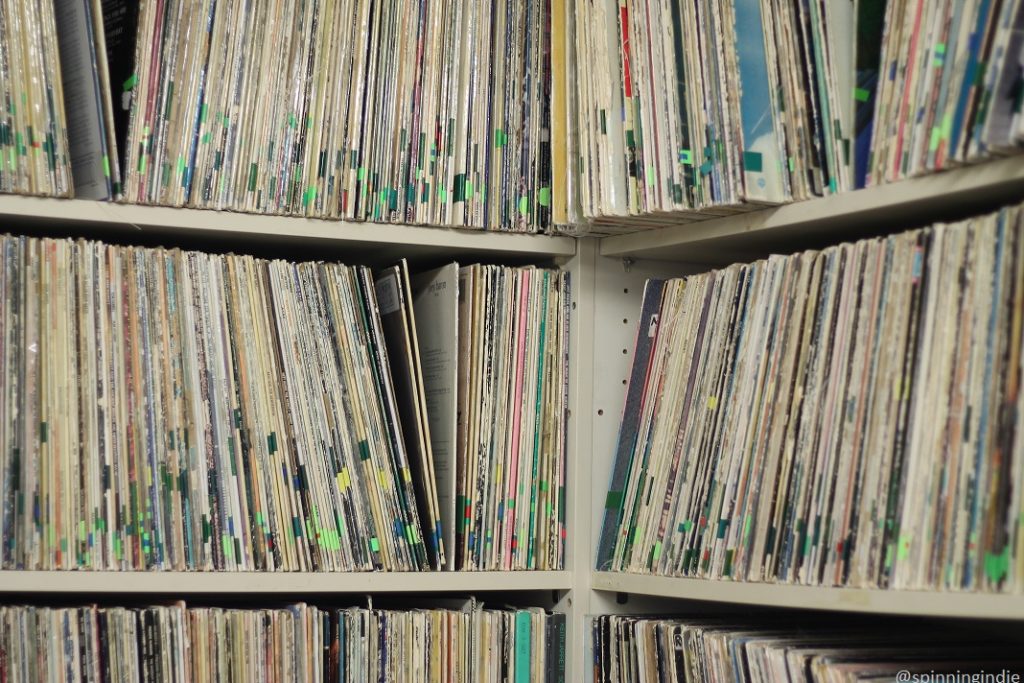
75 214
904 204
874 601
193 583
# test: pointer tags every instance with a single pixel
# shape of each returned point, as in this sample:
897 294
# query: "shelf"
874 601
292 583
378 241
803 225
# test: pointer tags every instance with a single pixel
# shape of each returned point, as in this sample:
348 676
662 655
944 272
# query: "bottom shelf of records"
777 649
299 642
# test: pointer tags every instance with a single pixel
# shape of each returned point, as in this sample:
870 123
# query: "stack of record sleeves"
844 417
427 113
294 643
166 409
33 133
701 109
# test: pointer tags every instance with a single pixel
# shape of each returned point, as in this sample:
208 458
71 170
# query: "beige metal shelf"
802 225
379 240
268 583
874 601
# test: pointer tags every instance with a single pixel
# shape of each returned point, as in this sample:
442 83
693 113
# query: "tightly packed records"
414 112
714 106
512 407
483 398
178 410
165 409
296 643
658 650
174 410
948 87
707 104
33 131
841 417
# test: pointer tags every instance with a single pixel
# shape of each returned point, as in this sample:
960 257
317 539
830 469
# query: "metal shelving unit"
608 275
306 238
623 262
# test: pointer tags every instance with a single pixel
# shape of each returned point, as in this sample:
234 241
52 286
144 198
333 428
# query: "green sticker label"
753 162
997 566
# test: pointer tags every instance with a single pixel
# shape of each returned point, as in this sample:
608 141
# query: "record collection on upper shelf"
843 417
33 132
702 109
411 112
527 116
395 112
175 410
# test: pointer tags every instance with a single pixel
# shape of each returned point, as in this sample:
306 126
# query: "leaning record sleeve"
647 329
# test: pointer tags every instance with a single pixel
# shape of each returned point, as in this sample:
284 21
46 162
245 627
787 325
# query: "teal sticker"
753 162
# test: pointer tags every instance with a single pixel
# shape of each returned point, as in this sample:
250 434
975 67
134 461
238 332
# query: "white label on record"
652 327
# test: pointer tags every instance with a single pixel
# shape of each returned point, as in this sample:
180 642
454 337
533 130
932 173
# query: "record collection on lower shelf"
774 649
167 409
297 642
843 417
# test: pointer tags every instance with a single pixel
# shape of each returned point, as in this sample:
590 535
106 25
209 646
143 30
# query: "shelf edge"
168 220
924 198
872 601
293 583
